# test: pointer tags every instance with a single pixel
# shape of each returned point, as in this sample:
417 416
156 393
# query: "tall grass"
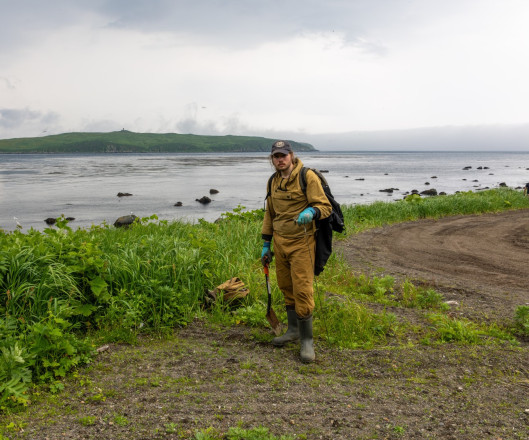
361 217
63 289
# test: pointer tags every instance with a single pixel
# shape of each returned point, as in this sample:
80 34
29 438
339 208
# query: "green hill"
129 142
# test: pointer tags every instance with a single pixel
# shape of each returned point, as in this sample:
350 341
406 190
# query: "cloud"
493 137
30 122
255 67
228 23
12 118
8 83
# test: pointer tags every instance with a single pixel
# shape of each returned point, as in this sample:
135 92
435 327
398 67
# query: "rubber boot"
307 343
292 333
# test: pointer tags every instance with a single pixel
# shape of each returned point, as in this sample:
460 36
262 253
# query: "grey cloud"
9 84
25 21
191 125
496 137
235 23
249 22
12 118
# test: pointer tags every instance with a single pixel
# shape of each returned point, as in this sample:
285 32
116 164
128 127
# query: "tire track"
484 258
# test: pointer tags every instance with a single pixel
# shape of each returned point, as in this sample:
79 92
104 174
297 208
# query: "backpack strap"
303 178
269 186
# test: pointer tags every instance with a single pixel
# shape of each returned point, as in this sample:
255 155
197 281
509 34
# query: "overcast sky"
303 69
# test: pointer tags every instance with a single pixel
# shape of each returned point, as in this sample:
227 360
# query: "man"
526 189
289 221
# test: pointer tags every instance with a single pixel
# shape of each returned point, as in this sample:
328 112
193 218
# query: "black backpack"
325 226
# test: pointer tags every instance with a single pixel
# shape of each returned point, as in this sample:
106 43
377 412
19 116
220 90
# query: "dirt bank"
482 261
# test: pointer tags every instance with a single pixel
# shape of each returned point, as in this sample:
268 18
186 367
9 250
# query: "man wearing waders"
289 221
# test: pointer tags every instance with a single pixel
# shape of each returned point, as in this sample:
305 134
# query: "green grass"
126 141
361 217
63 291
237 433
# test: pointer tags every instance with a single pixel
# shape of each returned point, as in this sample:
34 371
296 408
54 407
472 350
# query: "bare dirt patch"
481 261
209 377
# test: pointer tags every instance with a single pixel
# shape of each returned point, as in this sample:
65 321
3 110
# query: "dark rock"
50 221
324 171
486 168
178 204
213 191
475 180
429 192
442 193
426 183
480 168
414 191
70 219
361 178
120 194
125 220
204 200
503 184
388 190
467 168
433 177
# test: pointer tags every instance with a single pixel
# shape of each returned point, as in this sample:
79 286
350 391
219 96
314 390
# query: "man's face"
282 162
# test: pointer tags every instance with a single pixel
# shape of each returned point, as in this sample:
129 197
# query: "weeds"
521 320
62 289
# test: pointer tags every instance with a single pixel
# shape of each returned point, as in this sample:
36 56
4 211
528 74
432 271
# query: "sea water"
34 187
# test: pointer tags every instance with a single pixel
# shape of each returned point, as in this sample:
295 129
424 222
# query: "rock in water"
125 220
204 200
429 192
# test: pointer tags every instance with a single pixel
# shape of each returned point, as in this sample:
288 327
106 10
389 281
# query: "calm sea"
85 186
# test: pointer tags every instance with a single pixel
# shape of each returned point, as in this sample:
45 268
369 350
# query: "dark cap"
282 147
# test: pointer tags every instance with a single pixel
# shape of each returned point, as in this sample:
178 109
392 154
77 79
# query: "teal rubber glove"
266 254
306 216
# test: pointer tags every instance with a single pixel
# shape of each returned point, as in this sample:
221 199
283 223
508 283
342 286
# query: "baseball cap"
282 147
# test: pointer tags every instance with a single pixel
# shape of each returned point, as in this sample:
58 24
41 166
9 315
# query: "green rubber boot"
292 333
307 343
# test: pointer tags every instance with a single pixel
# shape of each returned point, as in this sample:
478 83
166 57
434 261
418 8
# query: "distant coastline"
128 142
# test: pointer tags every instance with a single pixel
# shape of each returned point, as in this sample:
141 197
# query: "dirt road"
481 261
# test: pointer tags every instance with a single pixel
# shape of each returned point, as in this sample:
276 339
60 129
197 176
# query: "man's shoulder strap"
303 178
269 186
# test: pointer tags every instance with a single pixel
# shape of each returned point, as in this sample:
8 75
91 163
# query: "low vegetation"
128 142
65 292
